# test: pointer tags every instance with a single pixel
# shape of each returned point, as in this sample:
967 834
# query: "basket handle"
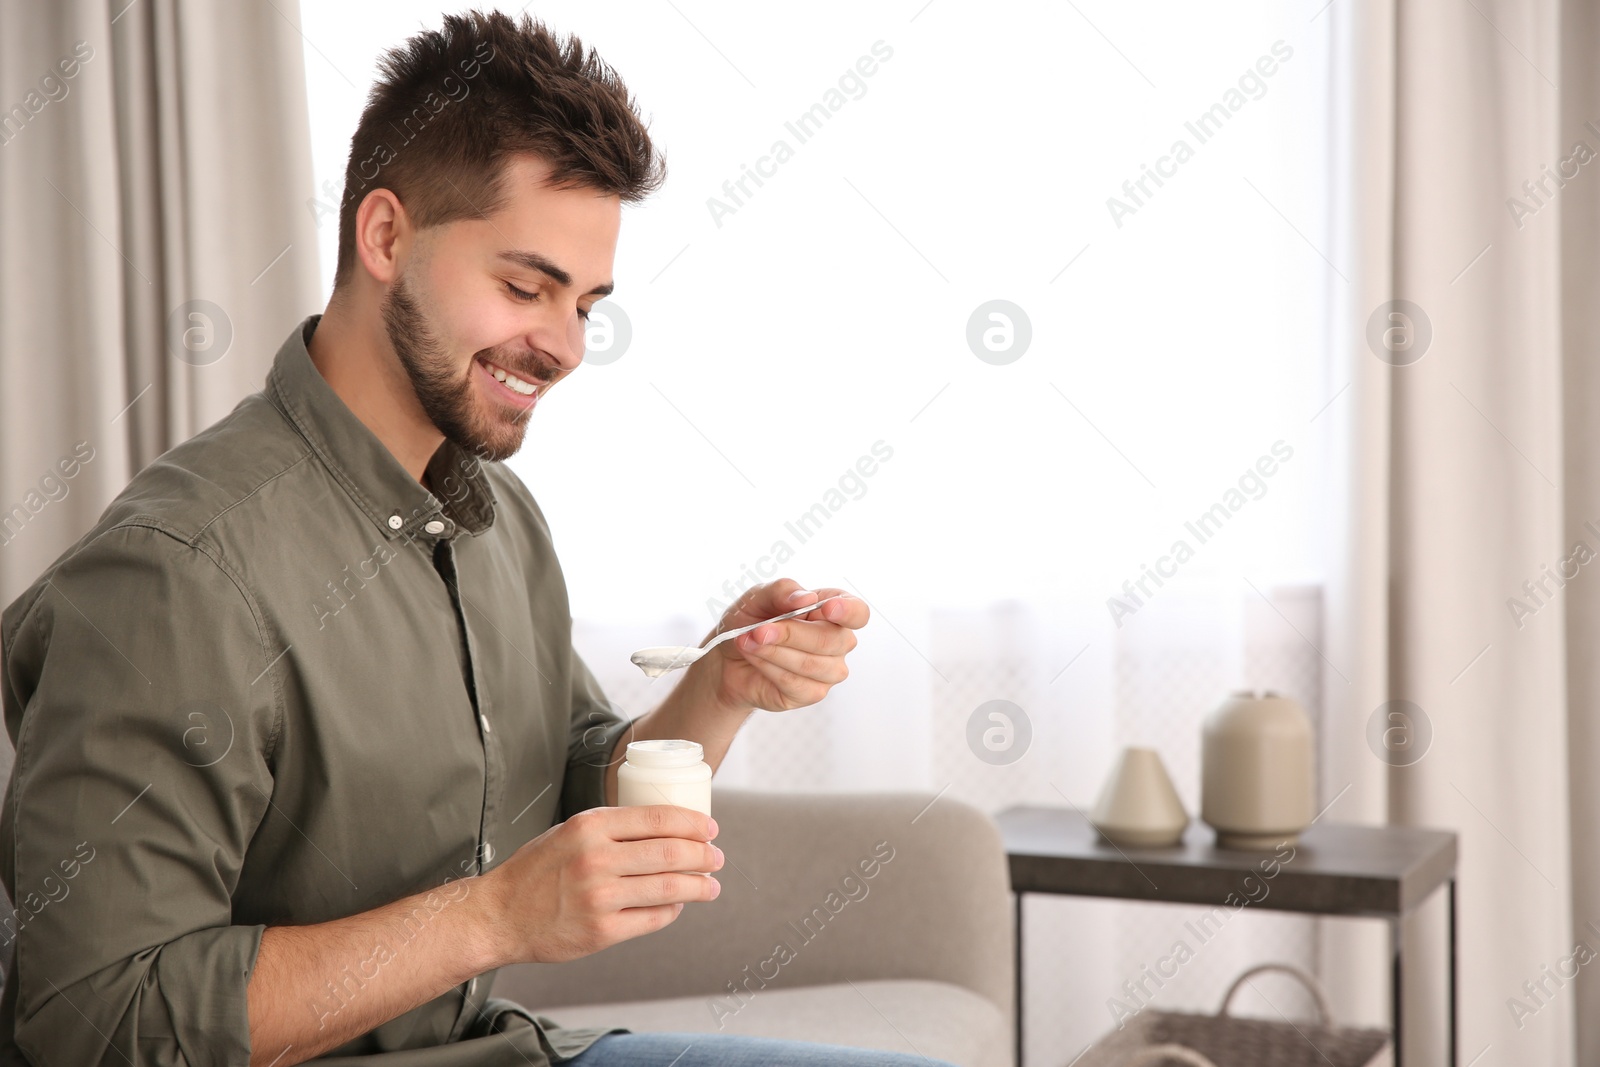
1157 1053
1325 1017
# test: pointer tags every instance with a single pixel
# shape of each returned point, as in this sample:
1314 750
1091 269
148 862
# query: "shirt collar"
396 502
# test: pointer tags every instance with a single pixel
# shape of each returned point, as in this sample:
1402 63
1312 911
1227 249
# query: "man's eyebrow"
534 261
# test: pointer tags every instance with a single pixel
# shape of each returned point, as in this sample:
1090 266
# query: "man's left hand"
783 665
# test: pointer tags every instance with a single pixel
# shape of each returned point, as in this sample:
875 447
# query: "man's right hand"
603 876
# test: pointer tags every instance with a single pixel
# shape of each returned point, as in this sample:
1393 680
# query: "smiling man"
304 751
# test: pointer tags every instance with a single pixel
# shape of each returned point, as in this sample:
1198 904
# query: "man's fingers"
850 611
786 595
665 854
655 890
765 601
799 689
643 821
819 638
804 665
636 922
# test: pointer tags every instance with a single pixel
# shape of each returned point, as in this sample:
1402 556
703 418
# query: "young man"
304 752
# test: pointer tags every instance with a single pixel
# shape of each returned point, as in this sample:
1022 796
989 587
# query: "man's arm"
141 777
603 876
780 666
403 954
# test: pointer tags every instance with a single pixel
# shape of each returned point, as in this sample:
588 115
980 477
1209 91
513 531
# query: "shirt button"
395 522
434 527
485 720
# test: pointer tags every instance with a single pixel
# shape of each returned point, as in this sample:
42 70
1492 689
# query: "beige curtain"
1580 336
155 243
1471 470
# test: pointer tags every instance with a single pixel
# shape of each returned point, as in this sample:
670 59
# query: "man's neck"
354 356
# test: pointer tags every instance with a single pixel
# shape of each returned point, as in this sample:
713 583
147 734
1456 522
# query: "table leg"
1452 938
1397 942
1018 995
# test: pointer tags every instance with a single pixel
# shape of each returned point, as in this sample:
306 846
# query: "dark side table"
1381 872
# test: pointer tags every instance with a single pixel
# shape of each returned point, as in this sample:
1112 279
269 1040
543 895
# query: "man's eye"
584 315
520 294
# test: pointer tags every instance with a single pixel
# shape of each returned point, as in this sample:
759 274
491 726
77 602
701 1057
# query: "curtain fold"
155 241
1581 394
1467 444
1580 334
1353 783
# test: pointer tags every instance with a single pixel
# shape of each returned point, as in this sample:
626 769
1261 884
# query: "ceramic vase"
1138 805
1256 771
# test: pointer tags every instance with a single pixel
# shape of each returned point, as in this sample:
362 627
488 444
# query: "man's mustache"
541 372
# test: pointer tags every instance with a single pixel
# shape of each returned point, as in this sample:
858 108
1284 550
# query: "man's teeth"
516 384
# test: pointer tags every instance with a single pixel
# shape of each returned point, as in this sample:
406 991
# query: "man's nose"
562 347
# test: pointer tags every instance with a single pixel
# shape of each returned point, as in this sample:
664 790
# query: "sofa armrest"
817 889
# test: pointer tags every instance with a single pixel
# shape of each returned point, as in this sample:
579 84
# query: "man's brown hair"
453 104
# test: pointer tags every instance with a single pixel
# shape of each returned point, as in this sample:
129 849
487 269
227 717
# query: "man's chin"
496 447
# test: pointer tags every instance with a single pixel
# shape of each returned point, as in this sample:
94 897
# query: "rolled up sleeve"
139 695
595 726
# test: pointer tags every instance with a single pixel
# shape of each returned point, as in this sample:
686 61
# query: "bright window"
778 337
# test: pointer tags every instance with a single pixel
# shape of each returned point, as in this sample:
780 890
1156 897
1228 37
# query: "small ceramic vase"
1138 806
1256 771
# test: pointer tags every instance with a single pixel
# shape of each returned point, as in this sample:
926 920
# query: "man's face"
504 297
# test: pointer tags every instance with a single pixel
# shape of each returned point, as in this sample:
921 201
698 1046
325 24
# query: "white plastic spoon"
660 659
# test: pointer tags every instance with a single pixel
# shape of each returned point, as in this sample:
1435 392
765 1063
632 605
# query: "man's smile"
510 387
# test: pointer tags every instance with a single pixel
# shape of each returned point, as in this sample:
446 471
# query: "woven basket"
1164 1038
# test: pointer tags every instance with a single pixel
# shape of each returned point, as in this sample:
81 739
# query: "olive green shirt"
281 682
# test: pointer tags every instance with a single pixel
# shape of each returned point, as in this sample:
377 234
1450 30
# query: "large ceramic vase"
1256 771
1138 805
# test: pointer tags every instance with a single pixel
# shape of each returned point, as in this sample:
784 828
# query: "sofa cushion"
933 1019
797 875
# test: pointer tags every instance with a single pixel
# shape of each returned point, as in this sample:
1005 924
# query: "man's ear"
383 232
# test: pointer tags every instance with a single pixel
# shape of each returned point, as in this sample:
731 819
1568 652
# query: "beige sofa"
881 920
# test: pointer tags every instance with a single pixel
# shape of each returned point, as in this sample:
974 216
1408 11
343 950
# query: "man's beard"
446 399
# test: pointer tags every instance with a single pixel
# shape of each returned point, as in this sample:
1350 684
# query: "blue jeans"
733 1050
